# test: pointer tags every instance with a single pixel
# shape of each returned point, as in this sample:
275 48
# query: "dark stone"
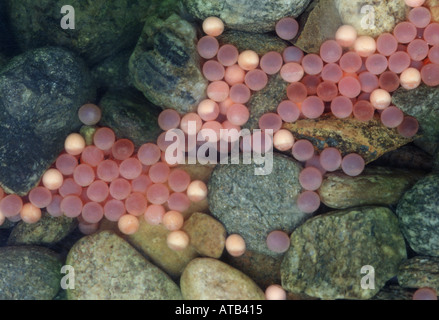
113 72
418 213
130 115
320 23
393 292
165 64
40 94
328 252
29 273
102 27
407 157
423 104
419 272
254 205
261 43
47 231
247 15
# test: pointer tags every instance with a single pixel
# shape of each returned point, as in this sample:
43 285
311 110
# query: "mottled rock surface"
130 115
375 186
151 241
113 71
211 279
261 43
165 65
102 27
40 94
262 268
253 205
369 139
109 268
29 273
247 15
418 213
266 100
386 14
207 235
419 272
328 252
423 104
48 230
316 30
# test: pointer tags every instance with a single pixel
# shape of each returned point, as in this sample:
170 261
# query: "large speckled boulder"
211 279
423 104
418 213
254 205
370 139
151 241
48 230
130 115
29 273
109 268
375 186
246 15
316 30
40 94
328 252
387 14
102 27
165 64
419 272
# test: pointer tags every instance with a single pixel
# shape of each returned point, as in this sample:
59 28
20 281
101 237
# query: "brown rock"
315 29
369 139
151 241
419 272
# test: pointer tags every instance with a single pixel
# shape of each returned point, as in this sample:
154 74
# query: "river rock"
418 213
370 139
423 104
262 268
165 65
382 17
47 231
130 115
207 235
40 94
254 205
328 252
151 241
29 273
113 71
109 268
211 279
375 186
101 28
257 16
316 30
407 157
393 292
419 272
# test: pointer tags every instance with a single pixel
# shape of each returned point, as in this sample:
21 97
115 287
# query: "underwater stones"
254 205
29 273
316 30
423 104
407 157
418 213
105 267
328 252
375 186
419 272
130 115
40 94
113 71
257 16
370 139
102 28
386 15
165 65
47 231
211 279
